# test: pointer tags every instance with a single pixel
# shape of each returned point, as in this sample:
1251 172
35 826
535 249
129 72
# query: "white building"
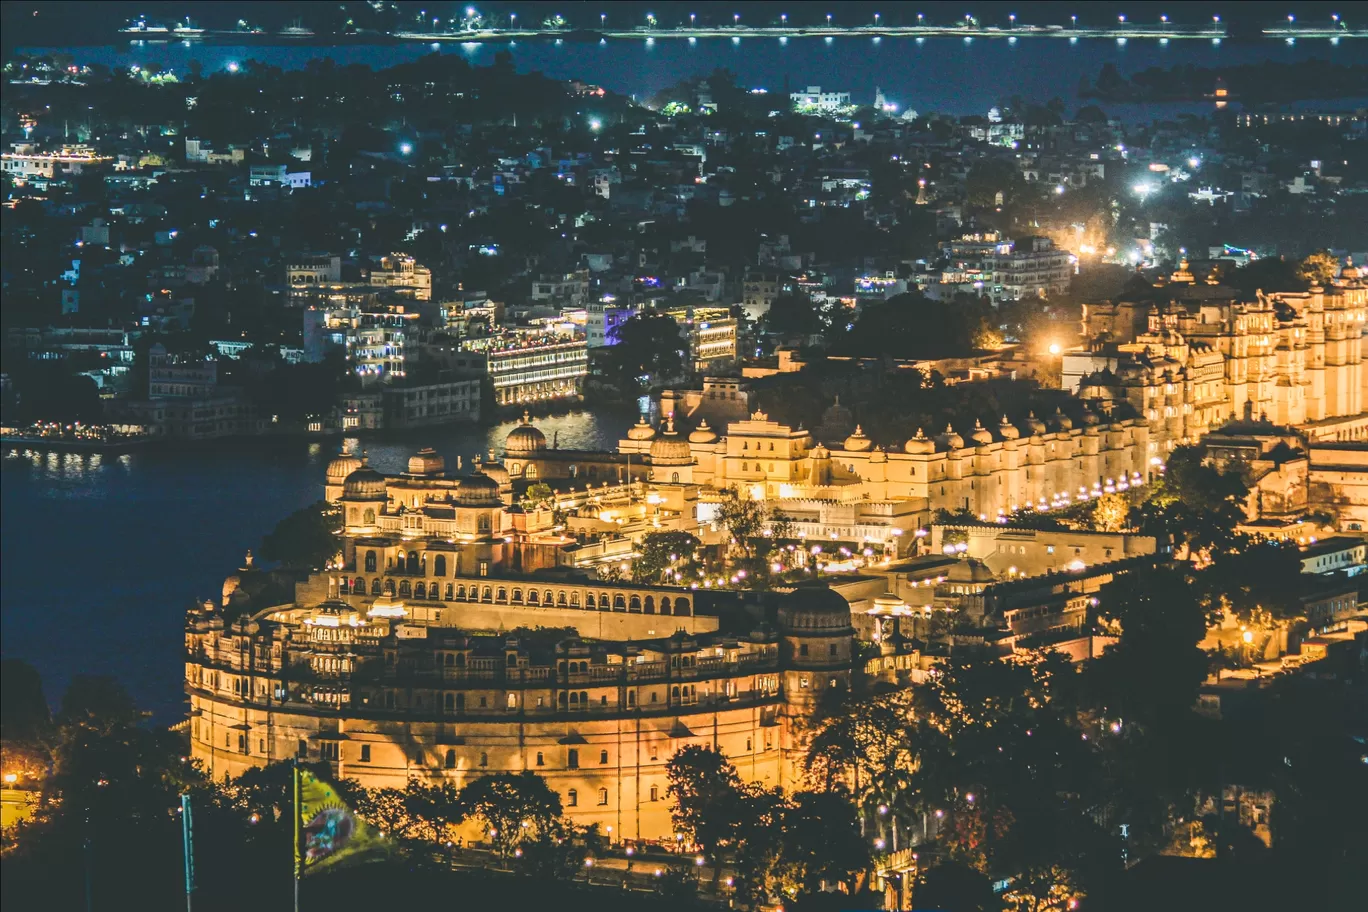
814 99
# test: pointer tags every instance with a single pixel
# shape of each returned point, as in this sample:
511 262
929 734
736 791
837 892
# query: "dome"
814 609
1034 424
971 571
669 448
478 491
1350 271
1062 421
364 484
877 455
837 419
920 444
1007 431
858 442
524 439
981 434
951 439
703 433
341 467
640 431
496 471
426 462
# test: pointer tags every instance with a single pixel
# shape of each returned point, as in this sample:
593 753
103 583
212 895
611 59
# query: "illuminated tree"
1319 268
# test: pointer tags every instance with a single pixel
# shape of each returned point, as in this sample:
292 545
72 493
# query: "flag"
327 831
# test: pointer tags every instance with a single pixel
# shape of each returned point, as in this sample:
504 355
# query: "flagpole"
188 836
294 765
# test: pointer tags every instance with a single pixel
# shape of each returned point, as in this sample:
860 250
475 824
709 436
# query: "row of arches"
679 606
413 562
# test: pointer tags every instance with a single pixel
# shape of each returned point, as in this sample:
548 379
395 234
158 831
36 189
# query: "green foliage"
513 807
306 539
911 326
648 351
661 551
97 702
707 794
24 711
1318 268
538 495
1194 504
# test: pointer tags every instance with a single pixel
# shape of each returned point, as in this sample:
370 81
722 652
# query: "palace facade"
432 648
1190 356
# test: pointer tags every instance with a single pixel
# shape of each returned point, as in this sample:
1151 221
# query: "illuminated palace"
1190 356
444 643
457 633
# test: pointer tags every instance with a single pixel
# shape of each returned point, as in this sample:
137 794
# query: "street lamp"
828 18
1011 17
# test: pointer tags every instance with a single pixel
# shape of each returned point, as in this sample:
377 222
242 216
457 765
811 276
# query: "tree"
744 519
24 710
647 350
306 539
538 495
1318 268
1195 504
662 551
821 840
954 887
97 702
513 807
708 796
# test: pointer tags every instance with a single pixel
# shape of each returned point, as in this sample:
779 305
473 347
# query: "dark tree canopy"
305 539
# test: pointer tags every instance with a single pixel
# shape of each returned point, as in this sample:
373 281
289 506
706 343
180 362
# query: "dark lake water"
101 555
931 74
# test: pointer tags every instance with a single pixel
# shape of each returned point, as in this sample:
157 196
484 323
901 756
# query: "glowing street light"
232 66
405 148
828 18
595 125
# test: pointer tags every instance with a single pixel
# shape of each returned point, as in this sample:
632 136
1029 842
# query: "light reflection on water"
101 554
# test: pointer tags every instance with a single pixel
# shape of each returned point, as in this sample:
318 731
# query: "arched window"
681 607
572 798
603 757
532 597
375 587
484 759
405 590
619 603
412 564
589 601
359 586
369 517
674 693
560 598
584 698
449 592
517 596
531 470
574 699
674 477
650 604
664 604
389 587
546 597
420 591
574 600
512 661
487 595
541 759
503 594
370 561
603 601
439 565
603 796
451 758
484 523
635 604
